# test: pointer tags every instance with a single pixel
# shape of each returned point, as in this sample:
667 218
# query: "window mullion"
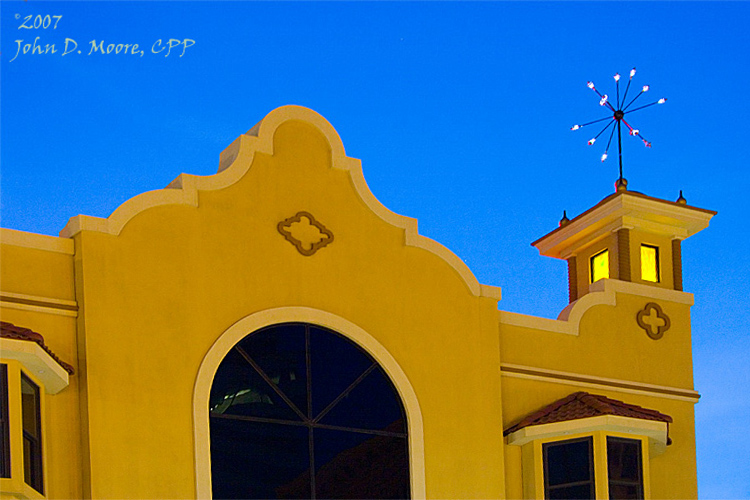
311 444
316 459
308 367
310 430
345 393
270 382
566 485
374 432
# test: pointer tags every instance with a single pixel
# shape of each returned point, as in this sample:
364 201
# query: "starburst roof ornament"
619 110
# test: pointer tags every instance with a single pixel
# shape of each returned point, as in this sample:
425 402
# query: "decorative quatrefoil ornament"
653 320
305 233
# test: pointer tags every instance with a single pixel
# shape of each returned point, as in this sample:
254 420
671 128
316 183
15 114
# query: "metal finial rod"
604 99
618 117
602 131
645 141
576 127
636 97
617 84
660 101
619 145
627 125
609 142
625 96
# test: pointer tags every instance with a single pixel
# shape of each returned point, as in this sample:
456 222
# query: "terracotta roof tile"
584 405
11 331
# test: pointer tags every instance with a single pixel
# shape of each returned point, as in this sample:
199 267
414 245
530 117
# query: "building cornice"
48 305
624 209
36 241
595 382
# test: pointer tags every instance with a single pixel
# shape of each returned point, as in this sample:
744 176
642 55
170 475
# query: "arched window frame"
227 340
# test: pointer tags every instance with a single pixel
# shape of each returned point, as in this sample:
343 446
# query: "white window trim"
268 317
36 361
655 431
651 433
16 485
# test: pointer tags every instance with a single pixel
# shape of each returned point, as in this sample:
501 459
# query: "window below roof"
28 348
592 465
589 446
624 468
28 371
650 263
31 417
569 469
23 437
600 266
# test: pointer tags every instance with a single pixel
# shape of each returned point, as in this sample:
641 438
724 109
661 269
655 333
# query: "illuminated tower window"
649 263
600 266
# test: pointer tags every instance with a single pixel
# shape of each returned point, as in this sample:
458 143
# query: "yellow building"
274 331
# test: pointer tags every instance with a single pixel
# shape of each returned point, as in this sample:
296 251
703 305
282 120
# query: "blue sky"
459 111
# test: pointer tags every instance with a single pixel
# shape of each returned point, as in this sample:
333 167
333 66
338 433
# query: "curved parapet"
235 162
603 292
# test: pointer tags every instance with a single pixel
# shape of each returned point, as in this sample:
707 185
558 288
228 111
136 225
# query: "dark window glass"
253 459
281 354
358 465
239 389
327 385
625 468
359 409
32 434
571 492
569 469
4 431
298 411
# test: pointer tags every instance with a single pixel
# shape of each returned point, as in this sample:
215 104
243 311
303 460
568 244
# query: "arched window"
298 411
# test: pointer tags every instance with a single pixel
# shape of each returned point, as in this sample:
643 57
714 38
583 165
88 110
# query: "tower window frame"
599 266
650 274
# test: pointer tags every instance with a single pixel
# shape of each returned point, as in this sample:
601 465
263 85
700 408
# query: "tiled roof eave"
581 405
13 332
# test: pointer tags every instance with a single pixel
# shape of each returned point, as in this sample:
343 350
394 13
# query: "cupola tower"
627 236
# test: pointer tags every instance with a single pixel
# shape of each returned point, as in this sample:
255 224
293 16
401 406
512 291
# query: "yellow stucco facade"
145 305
